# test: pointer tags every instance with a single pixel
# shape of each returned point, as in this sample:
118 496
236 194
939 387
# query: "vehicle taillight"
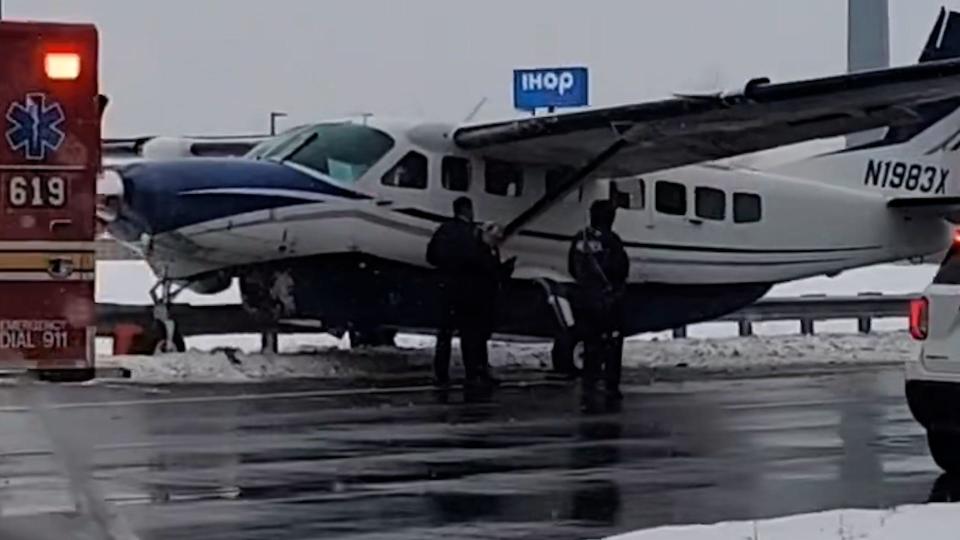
919 318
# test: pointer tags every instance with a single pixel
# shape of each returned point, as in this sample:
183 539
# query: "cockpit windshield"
342 151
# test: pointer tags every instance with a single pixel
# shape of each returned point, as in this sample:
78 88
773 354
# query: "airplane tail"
918 158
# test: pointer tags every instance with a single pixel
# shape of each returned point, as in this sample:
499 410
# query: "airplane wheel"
151 343
377 337
945 449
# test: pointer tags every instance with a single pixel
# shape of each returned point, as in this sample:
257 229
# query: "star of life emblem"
34 126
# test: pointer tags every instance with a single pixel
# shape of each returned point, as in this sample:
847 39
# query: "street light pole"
273 120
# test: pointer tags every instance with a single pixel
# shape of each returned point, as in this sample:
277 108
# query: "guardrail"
809 309
233 319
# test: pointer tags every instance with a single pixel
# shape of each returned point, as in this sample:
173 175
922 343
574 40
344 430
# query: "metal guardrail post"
745 327
864 325
806 326
269 343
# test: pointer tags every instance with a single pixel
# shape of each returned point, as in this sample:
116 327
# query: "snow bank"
414 358
932 522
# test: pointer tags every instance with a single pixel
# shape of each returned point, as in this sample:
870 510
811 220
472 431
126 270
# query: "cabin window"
456 173
746 208
710 203
629 194
555 176
409 172
503 178
671 198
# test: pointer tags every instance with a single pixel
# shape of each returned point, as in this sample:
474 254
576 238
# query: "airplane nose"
164 196
115 213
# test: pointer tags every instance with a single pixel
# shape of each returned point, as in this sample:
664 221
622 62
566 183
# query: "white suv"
933 378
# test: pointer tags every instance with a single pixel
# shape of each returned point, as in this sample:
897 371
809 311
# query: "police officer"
471 276
599 264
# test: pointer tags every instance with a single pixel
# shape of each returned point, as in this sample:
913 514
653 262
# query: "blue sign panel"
550 87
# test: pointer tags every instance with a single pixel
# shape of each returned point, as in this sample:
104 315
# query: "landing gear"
372 337
945 449
163 336
563 355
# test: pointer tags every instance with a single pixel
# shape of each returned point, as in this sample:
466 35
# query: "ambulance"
50 110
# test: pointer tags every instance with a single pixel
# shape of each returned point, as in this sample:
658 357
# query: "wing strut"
570 183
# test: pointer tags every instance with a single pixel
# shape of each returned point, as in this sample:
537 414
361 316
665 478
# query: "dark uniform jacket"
598 261
600 265
470 273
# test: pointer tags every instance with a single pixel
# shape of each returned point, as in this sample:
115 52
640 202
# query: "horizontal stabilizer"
948 207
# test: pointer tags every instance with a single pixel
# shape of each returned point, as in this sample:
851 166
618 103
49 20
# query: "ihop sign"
550 88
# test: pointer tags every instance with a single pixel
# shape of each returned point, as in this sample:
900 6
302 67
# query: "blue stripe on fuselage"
162 196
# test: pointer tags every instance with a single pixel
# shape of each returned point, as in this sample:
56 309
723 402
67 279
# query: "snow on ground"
931 522
693 356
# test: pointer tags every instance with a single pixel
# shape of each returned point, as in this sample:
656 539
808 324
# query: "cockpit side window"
456 173
410 172
342 151
503 178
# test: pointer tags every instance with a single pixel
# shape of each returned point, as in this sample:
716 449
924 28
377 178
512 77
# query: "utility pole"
273 118
868 47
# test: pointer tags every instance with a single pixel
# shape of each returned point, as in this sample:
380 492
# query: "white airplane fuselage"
692 231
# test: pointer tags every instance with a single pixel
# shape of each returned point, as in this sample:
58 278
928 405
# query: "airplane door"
49 159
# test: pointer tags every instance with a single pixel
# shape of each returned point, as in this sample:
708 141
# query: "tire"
377 337
945 449
65 375
149 342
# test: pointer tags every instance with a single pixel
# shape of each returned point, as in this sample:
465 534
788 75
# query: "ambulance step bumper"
67 375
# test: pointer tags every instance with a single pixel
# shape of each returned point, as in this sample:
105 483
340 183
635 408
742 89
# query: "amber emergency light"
62 66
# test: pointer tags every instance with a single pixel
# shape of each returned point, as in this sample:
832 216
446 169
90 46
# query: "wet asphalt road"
294 461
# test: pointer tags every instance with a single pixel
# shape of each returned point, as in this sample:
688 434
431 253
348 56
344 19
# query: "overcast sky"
220 66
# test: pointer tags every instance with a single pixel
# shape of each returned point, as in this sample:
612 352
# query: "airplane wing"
133 148
640 138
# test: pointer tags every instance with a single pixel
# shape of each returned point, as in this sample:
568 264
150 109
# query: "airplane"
326 224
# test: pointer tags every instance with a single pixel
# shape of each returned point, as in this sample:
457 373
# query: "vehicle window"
555 176
746 208
949 272
409 172
629 194
671 198
456 173
342 151
274 144
503 178
710 203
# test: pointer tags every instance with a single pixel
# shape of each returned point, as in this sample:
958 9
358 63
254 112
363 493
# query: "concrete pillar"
269 343
806 327
680 332
864 325
745 327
